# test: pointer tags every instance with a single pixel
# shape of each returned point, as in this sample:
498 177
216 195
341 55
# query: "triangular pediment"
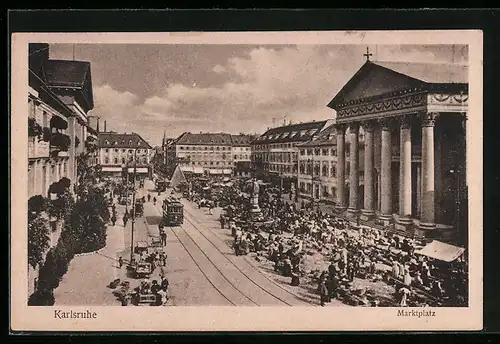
373 80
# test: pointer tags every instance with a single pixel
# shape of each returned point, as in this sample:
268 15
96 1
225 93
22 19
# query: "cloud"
295 82
218 69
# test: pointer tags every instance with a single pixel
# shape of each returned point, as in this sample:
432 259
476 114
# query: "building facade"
119 150
60 96
241 150
414 119
275 153
205 153
317 174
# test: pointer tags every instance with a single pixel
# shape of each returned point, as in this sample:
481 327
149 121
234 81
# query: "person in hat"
323 292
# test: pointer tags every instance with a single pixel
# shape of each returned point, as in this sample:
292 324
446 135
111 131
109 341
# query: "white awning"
441 251
186 168
198 170
111 169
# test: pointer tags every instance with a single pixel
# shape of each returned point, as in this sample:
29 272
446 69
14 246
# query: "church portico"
414 146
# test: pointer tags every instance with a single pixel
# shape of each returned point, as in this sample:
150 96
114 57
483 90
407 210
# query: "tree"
62 206
38 239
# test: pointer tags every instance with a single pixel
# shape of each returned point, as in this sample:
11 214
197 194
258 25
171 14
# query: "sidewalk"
88 276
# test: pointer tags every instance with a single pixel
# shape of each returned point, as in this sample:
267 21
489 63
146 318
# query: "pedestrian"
120 262
125 219
164 258
154 200
404 292
323 292
222 221
149 198
113 219
163 237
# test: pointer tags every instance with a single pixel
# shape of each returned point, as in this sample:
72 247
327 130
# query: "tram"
173 212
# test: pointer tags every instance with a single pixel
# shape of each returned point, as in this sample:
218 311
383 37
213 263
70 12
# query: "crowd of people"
286 232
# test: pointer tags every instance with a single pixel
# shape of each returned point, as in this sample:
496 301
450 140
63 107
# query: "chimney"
98 125
104 126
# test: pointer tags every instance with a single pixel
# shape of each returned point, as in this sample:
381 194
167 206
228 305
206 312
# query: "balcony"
59 143
37 149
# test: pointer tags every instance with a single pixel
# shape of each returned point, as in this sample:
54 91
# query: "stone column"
341 167
353 209
405 178
367 213
427 217
385 173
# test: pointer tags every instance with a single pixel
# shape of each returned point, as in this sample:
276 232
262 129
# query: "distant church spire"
368 54
164 137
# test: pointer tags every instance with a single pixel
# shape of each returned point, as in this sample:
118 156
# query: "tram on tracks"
173 212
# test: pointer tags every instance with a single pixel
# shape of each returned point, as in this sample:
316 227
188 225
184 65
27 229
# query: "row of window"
277 157
56 172
274 145
282 168
123 161
319 152
115 143
325 171
206 163
326 191
208 148
106 150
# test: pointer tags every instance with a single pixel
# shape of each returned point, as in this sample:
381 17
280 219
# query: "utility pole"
133 207
126 187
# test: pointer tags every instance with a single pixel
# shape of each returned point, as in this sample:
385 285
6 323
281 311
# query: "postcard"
246 181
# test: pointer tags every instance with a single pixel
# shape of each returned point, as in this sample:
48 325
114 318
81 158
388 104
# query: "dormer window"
107 142
115 143
129 142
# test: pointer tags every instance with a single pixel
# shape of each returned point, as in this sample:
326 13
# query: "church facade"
414 118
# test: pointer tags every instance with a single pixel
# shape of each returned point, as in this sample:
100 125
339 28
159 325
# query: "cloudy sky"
150 89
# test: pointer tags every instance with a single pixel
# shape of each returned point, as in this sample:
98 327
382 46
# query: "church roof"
117 140
381 79
431 73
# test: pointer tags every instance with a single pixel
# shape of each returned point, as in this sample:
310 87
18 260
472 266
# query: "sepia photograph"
312 174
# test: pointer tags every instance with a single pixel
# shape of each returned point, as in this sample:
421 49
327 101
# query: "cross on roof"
368 54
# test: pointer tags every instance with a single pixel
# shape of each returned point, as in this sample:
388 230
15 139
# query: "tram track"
224 293
246 262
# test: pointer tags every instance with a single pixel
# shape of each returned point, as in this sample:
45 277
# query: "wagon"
141 246
142 269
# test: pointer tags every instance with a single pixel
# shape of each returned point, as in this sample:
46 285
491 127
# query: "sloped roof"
127 140
70 74
177 178
326 137
241 140
291 133
222 139
431 73
384 78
